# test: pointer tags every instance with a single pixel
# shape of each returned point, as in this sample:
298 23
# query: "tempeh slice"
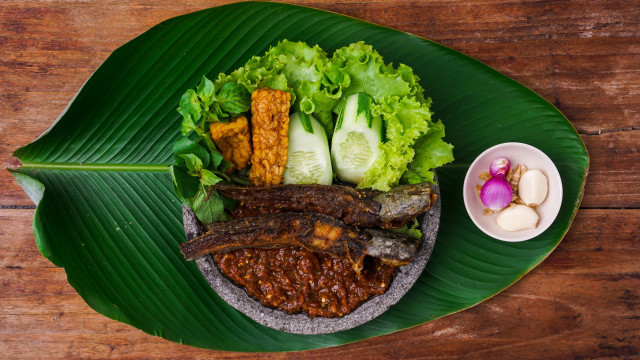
270 129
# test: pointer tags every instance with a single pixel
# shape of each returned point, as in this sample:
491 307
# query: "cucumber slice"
308 158
356 139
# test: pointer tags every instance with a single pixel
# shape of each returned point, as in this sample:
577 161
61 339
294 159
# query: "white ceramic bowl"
517 153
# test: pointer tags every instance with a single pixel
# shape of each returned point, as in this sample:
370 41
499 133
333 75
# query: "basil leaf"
224 164
189 104
184 184
215 114
207 211
229 203
188 146
206 91
194 164
234 99
188 125
216 158
209 178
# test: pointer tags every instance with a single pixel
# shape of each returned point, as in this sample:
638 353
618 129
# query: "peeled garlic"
518 217
533 187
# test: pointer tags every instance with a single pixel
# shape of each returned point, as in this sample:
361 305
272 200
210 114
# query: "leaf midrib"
135 167
96 167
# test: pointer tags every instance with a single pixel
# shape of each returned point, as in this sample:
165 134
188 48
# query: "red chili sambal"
296 280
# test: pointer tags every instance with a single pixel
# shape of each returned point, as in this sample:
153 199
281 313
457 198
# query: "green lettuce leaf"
431 152
398 98
360 68
294 67
411 229
318 85
406 120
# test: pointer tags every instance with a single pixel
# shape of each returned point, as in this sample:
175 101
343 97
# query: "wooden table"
583 56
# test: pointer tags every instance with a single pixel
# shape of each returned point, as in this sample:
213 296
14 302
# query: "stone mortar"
237 297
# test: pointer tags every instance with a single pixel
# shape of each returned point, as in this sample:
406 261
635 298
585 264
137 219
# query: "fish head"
404 202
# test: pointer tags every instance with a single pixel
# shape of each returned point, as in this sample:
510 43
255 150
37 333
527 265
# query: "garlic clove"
533 187
518 217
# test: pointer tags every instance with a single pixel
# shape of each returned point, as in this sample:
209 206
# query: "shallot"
496 193
499 166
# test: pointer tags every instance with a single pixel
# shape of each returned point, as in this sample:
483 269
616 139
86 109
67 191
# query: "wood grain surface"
582 302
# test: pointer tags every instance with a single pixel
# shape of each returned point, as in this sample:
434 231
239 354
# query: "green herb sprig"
198 163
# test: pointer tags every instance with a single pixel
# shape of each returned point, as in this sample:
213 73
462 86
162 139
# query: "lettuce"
398 99
294 67
360 68
431 152
319 85
411 228
406 120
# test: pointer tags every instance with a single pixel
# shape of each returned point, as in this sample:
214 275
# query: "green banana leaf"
107 213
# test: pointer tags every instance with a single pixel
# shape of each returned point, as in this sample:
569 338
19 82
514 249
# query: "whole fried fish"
367 208
312 231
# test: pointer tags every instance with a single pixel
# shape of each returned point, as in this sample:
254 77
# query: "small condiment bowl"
517 153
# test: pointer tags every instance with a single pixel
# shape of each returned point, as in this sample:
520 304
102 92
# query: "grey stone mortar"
238 298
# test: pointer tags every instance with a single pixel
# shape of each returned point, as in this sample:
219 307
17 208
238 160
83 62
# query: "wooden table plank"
582 56
614 171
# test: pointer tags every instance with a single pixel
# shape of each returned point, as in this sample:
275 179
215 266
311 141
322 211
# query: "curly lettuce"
360 68
406 120
431 152
319 85
399 100
294 67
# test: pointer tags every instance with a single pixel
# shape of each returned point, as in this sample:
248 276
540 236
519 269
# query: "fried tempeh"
314 232
233 140
270 128
366 208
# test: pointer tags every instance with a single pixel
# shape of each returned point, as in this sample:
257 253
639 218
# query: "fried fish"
312 231
366 208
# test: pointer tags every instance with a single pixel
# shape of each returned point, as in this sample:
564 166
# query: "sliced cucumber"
308 159
356 139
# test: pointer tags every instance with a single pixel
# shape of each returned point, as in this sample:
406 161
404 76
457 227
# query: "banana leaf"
107 212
